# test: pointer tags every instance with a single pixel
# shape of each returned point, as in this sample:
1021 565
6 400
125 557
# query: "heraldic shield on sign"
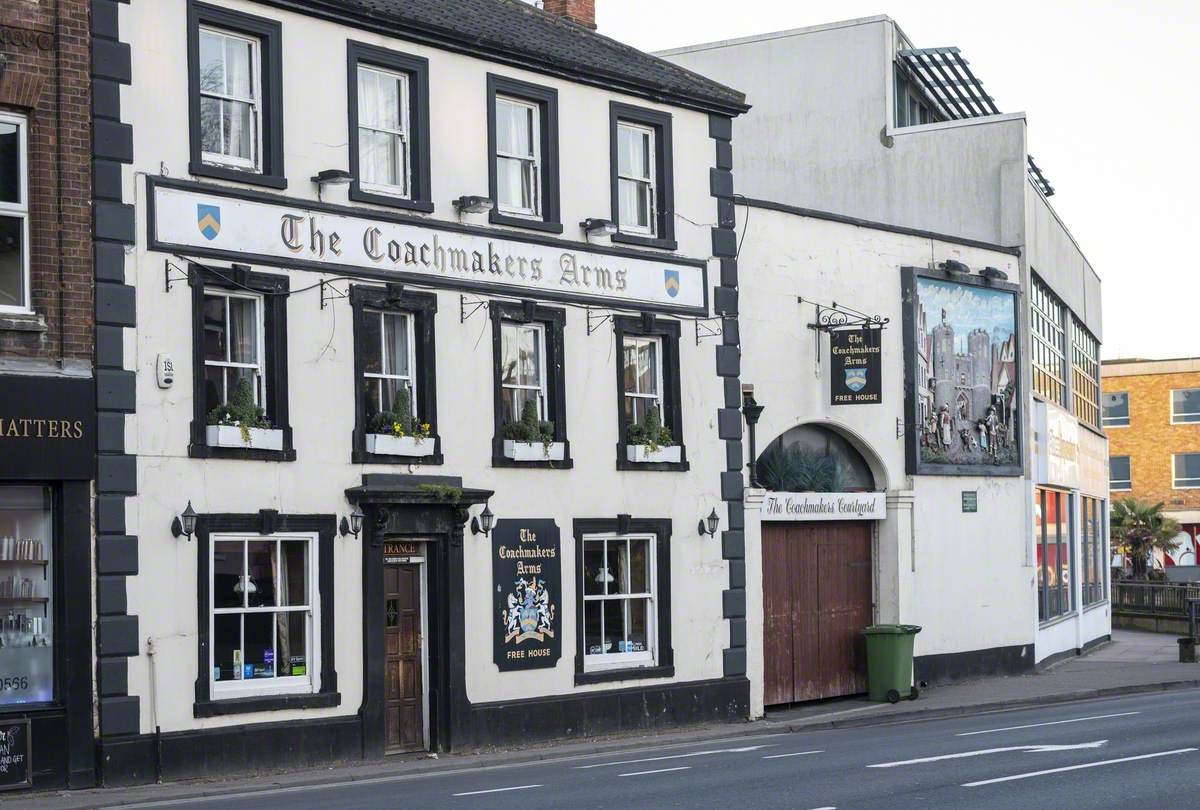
527 583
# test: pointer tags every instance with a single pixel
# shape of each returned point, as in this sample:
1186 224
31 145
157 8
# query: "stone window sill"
22 322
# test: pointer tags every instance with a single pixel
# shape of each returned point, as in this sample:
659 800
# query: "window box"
642 454
534 451
385 445
230 436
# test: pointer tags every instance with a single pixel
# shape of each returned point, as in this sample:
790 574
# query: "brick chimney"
581 11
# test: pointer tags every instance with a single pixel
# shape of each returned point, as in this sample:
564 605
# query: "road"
1138 752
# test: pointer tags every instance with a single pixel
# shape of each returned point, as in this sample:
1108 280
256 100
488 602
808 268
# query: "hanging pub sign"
15 745
47 428
527 578
855 367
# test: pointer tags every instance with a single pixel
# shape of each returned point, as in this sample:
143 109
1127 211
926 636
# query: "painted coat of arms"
529 614
856 379
208 220
671 282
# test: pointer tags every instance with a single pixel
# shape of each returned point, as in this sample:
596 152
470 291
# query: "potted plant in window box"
241 423
651 441
398 433
531 438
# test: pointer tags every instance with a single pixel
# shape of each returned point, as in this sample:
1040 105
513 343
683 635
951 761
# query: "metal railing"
1167 599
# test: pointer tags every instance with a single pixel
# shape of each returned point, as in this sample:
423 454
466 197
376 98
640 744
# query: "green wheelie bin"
890 661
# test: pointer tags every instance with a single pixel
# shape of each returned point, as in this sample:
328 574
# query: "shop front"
47 458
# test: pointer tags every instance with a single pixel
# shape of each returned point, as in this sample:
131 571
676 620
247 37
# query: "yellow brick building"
1152 417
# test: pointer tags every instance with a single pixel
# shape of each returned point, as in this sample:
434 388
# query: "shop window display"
26 595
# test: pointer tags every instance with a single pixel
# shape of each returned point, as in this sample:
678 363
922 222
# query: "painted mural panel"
963 404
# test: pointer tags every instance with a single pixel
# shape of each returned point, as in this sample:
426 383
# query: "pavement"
1134 666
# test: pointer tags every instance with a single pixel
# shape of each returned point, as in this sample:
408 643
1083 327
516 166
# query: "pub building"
47 398
437 403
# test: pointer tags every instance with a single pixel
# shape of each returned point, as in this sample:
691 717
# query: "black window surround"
269 34
422 307
546 99
624 525
660 122
553 319
274 291
266 522
417 70
668 332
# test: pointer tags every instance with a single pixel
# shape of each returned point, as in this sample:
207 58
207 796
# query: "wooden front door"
402 691
816 601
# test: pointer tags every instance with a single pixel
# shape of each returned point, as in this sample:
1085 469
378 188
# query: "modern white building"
880 176
404 268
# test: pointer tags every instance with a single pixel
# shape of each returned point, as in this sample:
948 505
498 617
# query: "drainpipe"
154 711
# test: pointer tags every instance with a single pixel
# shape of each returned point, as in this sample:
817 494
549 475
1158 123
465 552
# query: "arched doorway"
817 573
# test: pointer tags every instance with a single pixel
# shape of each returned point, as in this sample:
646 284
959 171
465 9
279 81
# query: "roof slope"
518 33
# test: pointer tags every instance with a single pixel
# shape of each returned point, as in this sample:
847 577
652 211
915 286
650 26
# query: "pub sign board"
47 428
527 579
15 746
855 367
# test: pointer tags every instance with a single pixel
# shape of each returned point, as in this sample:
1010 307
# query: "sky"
1110 93
967 308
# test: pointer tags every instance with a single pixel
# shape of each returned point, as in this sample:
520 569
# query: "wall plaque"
527 579
855 367
47 428
824 506
15 747
970 501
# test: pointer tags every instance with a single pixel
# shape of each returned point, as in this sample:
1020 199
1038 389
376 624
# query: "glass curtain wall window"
643 379
384 159
1185 406
233 347
1049 357
911 108
618 601
636 179
1116 409
1085 374
389 362
262 617
522 369
14 215
1120 477
518 157
230 103
1187 470
1094 548
27 591
1052 536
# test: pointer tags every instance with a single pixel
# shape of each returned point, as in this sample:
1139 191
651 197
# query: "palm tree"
1137 529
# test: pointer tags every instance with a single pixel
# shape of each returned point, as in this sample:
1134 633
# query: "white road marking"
741 750
660 770
1039 725
830 807
1078 767
1032 749
794 754
496 790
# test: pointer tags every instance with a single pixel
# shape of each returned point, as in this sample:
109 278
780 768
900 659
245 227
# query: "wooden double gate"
816 602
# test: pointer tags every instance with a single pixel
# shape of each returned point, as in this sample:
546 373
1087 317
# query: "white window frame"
1183 419
1175 479
651 182
260 390
618 660
402 136
1112 482
255 102
541 388
411 377
1112 422
308 683
533 162
657 342
20 209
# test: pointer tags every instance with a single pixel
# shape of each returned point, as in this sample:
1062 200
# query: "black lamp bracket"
173 272
835 316
709 328
468 307
596 319
330 293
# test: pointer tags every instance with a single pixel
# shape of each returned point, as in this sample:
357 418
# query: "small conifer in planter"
530 429
240 411
651 433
